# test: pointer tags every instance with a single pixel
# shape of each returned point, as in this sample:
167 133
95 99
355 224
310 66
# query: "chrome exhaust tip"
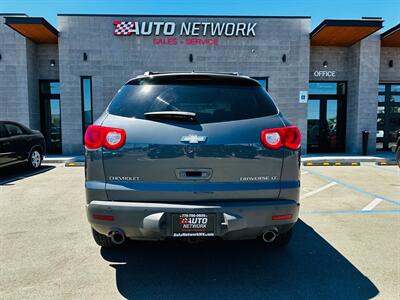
117 237
269 236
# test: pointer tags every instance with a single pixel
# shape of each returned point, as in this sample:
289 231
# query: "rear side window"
211 102
13 129
3 131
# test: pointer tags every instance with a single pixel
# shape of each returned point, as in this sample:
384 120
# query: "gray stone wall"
45 53
112 60
388 74
14 103
22 64
362 100
337 58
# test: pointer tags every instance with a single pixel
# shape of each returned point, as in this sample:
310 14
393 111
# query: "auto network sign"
188 33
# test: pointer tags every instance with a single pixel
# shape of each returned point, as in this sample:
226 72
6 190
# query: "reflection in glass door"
51 115
331 134
325 131
313 130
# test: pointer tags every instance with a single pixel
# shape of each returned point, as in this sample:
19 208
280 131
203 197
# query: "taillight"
275 138
108 137
114 138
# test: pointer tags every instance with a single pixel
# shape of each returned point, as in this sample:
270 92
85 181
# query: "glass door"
388 116
326 120
51 115
325 132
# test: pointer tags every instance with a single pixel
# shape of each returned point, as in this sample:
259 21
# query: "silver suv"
192 155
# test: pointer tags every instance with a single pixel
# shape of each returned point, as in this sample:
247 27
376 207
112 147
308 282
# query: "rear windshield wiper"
184 116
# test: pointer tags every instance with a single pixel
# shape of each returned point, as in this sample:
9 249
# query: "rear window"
210 102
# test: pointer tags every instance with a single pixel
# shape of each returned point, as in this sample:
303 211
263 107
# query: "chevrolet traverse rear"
192 155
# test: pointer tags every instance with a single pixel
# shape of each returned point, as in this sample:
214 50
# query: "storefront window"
395 88
263 81
322 88
388 115
87 112
50 116
395 98
327 88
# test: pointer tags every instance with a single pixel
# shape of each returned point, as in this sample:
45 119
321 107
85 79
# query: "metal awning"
36 29
391 37
343 32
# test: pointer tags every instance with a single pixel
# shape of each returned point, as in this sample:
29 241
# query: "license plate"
193 225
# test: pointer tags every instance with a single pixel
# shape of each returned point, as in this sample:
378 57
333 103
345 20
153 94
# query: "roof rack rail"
148 73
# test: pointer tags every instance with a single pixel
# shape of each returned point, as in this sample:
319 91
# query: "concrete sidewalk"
55 159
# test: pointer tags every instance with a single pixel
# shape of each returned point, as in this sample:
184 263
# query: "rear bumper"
152 221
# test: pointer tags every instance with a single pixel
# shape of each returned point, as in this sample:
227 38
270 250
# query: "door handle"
193 174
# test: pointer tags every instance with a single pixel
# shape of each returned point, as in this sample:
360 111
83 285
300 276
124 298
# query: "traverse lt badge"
193 139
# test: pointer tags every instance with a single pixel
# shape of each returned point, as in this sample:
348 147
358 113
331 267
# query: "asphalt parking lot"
346 245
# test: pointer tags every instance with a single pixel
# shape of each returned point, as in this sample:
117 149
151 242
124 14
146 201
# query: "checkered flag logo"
123 28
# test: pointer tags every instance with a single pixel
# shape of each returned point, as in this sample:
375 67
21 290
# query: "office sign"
324 73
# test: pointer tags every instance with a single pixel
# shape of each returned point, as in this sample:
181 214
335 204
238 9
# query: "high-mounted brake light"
275 138
99 136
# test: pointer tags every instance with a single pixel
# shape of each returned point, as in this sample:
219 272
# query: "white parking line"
373 204
322 188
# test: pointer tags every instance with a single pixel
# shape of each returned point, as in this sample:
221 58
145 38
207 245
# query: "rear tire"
102 240
282 240
35 159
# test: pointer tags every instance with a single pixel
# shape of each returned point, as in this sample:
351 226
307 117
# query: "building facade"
333 83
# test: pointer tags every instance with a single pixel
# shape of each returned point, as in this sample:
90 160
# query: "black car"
19 144
397 147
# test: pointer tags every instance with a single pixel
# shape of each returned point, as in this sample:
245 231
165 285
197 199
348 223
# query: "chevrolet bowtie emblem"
193 139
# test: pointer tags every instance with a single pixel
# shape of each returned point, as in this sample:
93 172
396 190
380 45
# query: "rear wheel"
35 159
102 240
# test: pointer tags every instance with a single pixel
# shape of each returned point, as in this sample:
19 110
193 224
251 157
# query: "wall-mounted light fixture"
85 56
325 64
52 63
391 63
284 58
191 57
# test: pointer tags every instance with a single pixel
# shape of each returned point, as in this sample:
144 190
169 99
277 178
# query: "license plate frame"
193 224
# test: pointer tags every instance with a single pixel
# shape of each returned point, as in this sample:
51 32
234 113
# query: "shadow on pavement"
11 174
309 268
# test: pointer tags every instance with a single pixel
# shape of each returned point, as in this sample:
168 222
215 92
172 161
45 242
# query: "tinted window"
327 88
211 103
13 129
395 87
87 114
3 132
